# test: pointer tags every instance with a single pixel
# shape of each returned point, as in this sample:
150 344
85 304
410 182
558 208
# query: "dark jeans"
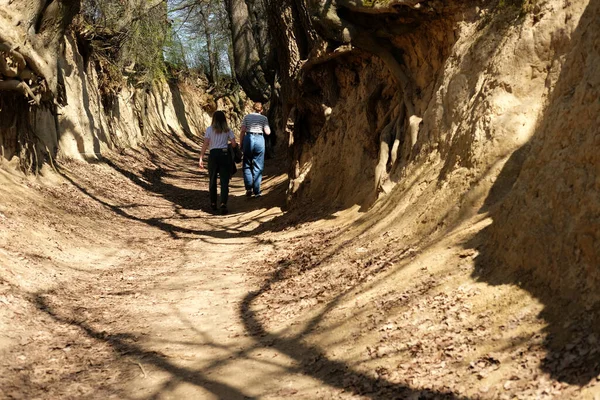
219 163
254 161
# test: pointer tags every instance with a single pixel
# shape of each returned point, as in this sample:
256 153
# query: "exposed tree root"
390 141
21 87
397 138
384 152
11 61
325 57
13 64
376 7
335 28
368 42
32 59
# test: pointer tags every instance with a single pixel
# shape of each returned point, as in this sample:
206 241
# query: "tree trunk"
230 58
248 64
212 67
260 30
34 47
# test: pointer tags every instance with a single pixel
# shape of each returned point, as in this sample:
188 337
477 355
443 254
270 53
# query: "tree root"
397 138
338 29
322 58
384 152
13 64
390 141
379 7
28 58
366 41
51 159
11 61
21 87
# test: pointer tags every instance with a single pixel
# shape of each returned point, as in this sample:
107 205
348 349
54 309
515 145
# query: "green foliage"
147 40
201 35
144 46
128 35
174 52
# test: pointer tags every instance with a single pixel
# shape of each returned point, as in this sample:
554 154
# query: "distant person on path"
216 139
254 127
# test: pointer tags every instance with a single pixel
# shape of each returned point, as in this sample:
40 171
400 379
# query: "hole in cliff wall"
84 47
8 127
27 133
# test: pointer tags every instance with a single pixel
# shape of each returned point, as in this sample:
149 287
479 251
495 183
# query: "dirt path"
152 307
118 283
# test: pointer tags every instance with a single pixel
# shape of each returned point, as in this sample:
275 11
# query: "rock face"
452 109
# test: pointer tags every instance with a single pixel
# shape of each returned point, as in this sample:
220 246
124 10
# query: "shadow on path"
123 344
334 373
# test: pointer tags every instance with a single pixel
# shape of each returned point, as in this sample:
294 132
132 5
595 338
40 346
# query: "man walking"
254 127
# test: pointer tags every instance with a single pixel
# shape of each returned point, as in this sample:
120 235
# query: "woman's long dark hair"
219 122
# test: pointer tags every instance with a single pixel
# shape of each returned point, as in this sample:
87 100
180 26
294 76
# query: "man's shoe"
213 206
249 193
223 209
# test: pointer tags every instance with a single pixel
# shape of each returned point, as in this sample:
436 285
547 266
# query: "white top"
218 140
255 123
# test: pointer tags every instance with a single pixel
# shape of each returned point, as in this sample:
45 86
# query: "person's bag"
235 154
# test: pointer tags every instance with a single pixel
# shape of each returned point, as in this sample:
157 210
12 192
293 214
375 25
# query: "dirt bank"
498 118
458 263
126 287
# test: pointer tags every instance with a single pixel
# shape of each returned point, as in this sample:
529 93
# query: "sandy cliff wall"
480 79
502 92
86 123
549 223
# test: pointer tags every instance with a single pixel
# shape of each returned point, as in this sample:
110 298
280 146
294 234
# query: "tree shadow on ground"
124 344
310 360
572 339
188 199
313 361
172 174
173 230
153 180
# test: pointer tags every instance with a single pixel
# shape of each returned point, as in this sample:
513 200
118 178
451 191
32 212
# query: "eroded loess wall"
90 123
52 104
449 111
30 36
549 224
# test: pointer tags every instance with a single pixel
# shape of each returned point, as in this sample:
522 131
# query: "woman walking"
216 139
